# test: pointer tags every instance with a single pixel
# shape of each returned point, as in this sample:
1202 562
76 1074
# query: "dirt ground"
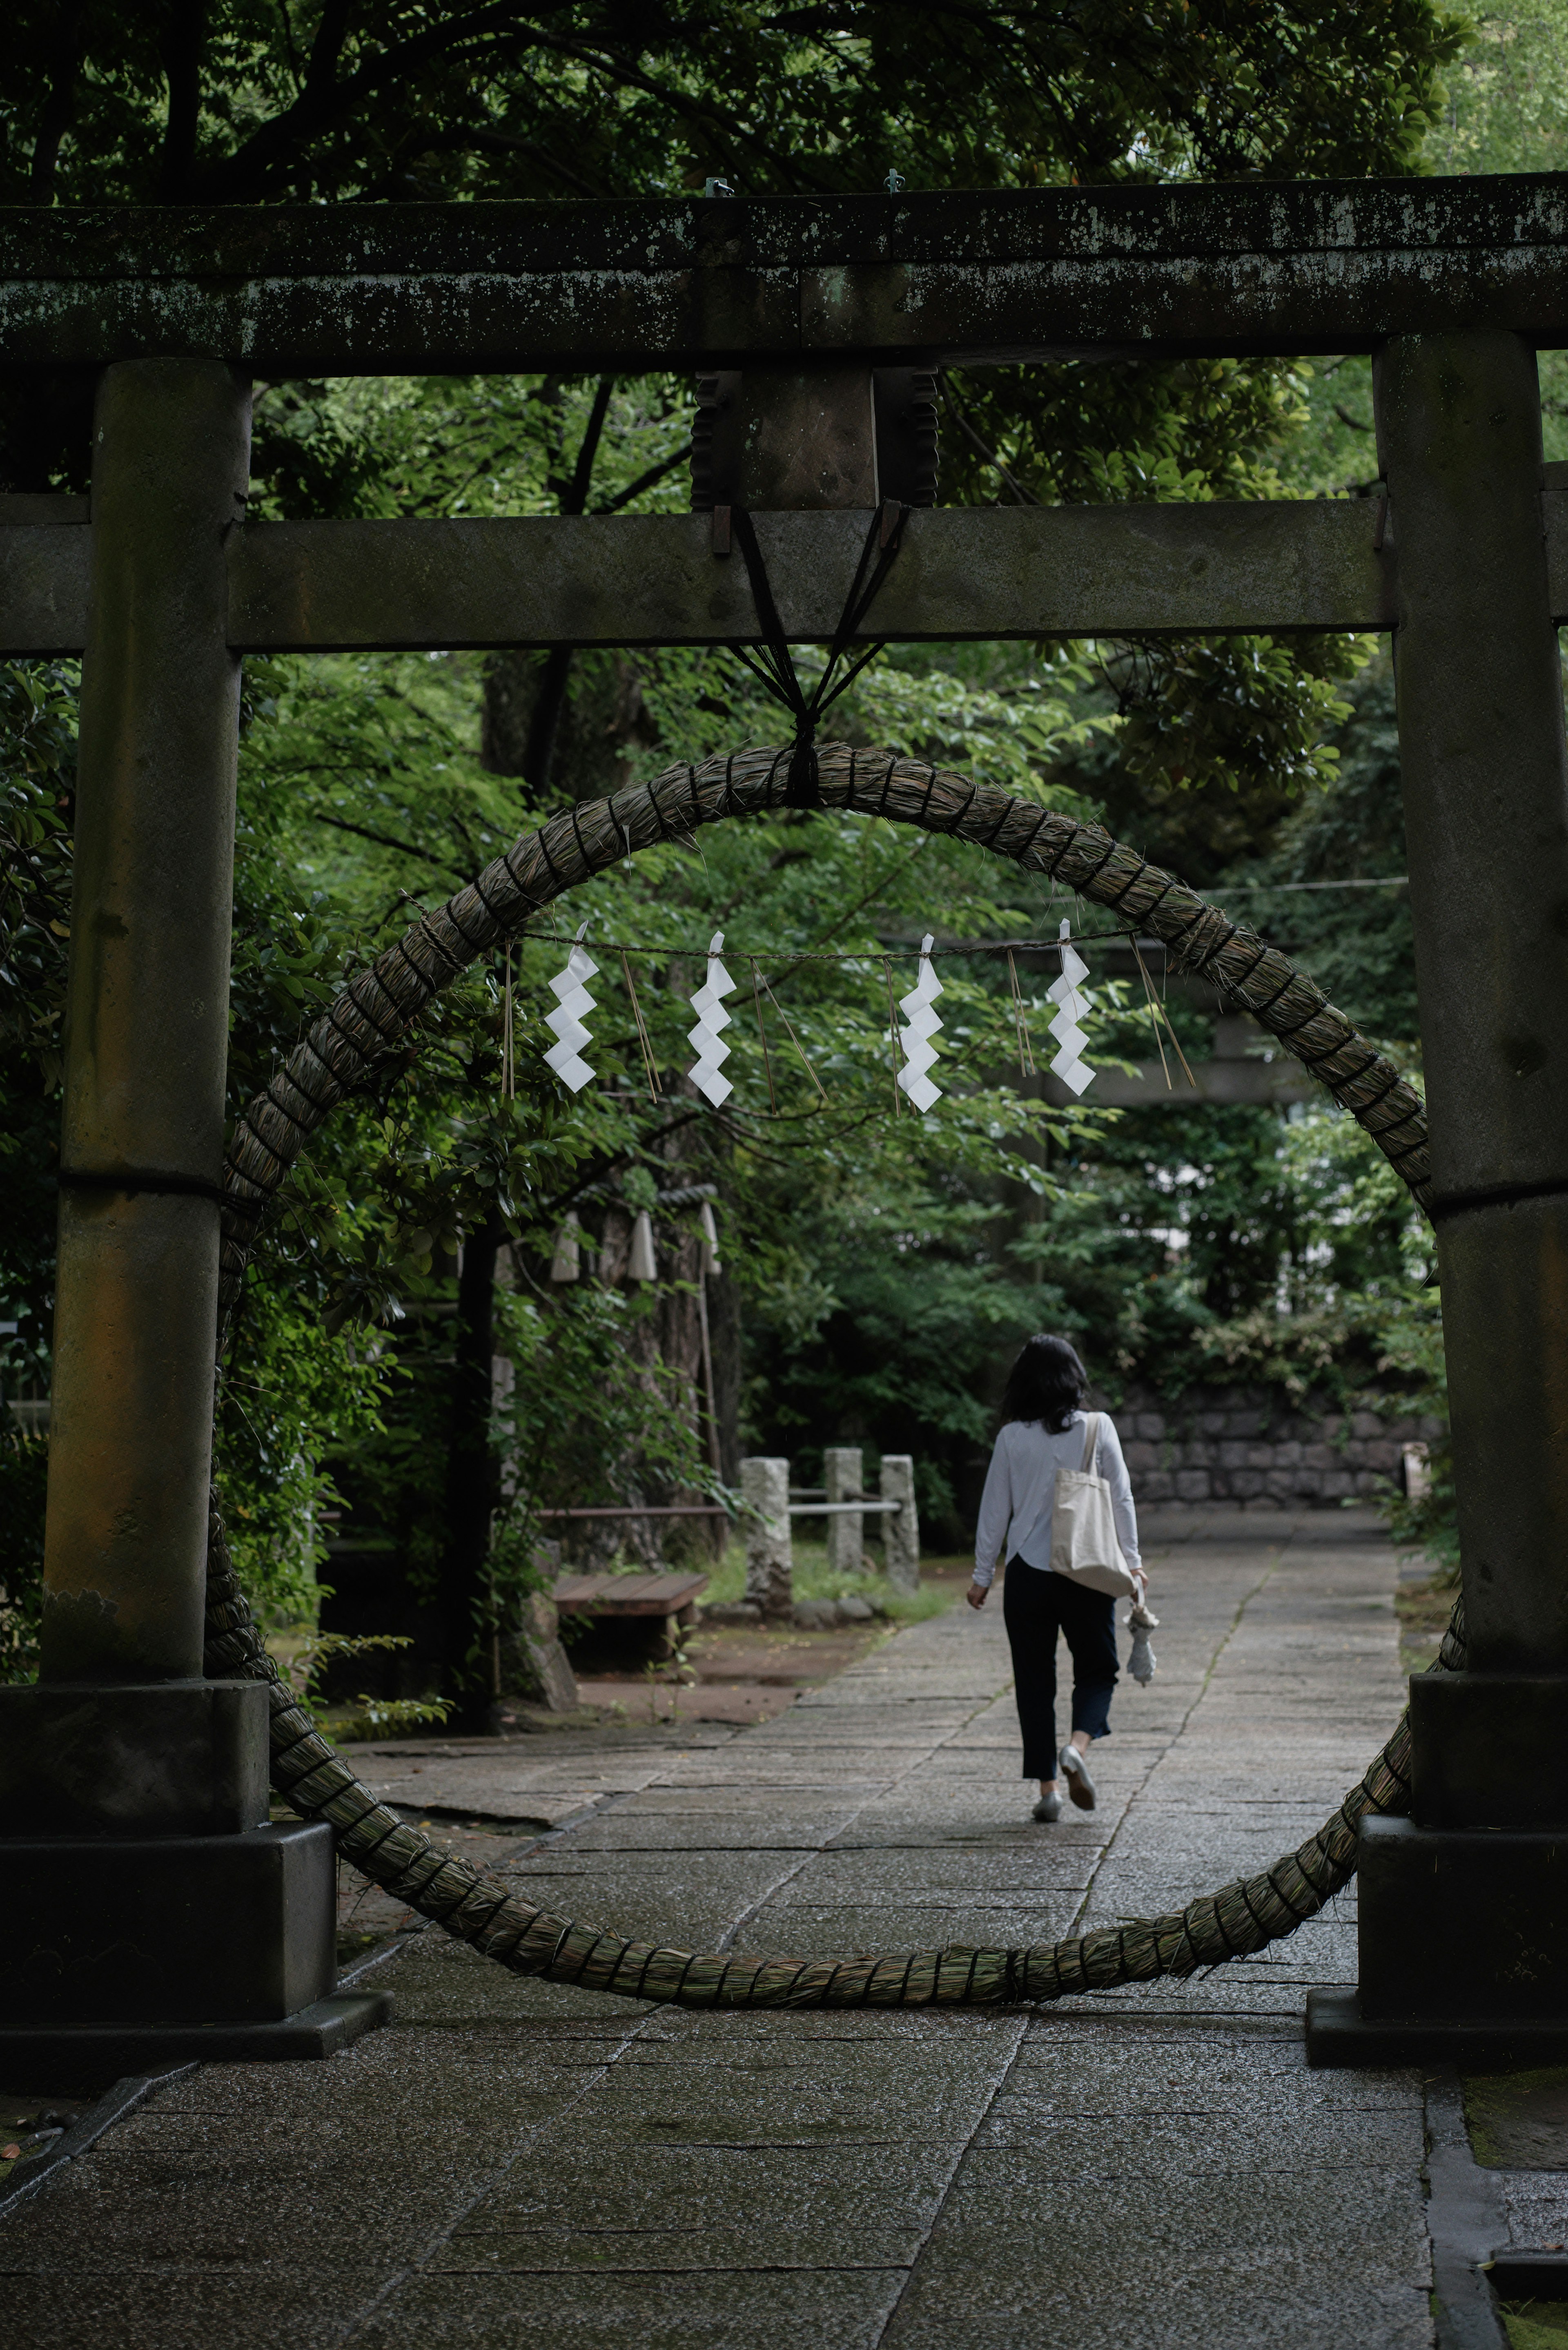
732 1673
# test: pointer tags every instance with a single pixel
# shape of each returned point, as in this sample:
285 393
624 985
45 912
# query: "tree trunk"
524 700
465 1610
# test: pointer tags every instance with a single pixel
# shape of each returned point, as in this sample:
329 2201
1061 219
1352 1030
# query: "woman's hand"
976 1594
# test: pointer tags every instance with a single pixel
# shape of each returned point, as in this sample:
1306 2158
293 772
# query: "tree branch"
321 73
645 482
385 840
576 494
960 418
59 105
181 49
324 99
482 142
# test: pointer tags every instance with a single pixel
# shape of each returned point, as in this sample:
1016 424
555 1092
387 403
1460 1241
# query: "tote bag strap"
1091 1440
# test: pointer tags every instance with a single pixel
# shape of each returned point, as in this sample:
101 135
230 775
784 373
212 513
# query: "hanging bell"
710 1232
640 1265
567 1265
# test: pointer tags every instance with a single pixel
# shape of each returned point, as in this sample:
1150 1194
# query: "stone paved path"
516 2163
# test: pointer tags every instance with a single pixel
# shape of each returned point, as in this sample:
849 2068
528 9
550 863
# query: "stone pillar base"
1462 1953
85 2058
1456 1923
1339 2035
167 1931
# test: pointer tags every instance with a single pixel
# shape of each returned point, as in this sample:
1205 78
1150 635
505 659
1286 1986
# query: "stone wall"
1255 1448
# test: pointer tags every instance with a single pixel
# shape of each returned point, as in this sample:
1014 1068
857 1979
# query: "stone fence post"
843 1472
900 1528
770 1582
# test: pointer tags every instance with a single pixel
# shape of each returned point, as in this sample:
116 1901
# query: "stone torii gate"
156 1915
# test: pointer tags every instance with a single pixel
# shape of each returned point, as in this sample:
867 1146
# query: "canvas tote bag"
1084 1545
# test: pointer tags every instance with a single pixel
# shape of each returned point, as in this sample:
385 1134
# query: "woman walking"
1044 1430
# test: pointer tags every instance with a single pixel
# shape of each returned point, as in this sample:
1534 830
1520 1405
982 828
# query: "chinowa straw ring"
370 1018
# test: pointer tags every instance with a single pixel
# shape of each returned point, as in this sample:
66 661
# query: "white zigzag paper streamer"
1073 1002
921 1024
711 1016
566 1058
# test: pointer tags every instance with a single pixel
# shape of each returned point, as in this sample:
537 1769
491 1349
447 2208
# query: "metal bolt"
894 181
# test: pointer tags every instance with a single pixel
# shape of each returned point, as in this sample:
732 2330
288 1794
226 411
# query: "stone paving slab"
516 2161
799 2311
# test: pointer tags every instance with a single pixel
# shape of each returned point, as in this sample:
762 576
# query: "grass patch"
1519 2121
1536 2324
815 1579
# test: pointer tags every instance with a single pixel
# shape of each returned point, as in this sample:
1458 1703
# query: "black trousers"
1036 1606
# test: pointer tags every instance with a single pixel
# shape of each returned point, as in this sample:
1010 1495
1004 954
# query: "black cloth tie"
774 668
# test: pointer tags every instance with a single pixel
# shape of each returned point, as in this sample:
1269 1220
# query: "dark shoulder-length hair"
1047 1383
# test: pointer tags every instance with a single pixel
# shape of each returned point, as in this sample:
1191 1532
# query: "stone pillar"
146 1039
769 1578
1457 1949
133 1791
900 1528
843 1471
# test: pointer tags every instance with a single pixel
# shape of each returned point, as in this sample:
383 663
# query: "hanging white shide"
567 1263
640 1264
706 1074
1073 1002
566 1058
921 1023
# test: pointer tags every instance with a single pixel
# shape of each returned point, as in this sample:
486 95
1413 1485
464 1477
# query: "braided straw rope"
370 1018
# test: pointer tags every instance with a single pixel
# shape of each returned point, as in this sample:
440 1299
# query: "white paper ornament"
711 1016
1072 1002
566 1058
921 1026
567 1263
640 1265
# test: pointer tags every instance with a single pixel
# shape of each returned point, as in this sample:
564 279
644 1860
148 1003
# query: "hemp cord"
763 1035
344 1050
775 668
1026 1067
892 1032
789 1032
650 1069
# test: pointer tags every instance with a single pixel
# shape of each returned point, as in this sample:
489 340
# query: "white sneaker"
1075 1770
1048 1808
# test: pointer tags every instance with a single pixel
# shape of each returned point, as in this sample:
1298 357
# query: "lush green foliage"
243 102
887 1262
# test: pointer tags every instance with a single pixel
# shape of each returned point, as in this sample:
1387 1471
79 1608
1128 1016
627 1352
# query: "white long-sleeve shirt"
1019 1500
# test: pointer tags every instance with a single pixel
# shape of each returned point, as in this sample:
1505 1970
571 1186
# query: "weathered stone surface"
764 1487
900 1528
844 1476
1232 1446
540 1659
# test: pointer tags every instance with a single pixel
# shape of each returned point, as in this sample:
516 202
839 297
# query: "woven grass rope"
370 1019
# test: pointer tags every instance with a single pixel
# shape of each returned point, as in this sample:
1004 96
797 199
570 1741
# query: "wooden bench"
609 1598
